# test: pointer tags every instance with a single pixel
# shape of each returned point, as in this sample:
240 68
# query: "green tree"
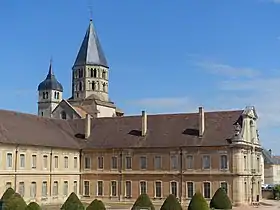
276 192
33 206
8 194
96 205
72 203
143 201
198 202
220 200
171 203
15 202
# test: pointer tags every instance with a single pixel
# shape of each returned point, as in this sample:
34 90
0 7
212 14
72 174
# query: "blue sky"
164 56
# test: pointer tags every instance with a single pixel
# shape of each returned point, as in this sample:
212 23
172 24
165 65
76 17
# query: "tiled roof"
165 130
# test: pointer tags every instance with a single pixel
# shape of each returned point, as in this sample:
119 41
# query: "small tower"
50 94
90 70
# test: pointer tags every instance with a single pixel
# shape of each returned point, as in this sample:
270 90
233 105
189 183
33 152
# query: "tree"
276 192
220 200
72 203
8 194
171 203
96 205
143 201
15 202
33 206
198 202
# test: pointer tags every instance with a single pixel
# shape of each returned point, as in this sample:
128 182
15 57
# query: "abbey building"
84 144
90 80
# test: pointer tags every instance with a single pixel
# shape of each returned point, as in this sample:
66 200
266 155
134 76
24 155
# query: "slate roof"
91 51
269 158
165 130
50 83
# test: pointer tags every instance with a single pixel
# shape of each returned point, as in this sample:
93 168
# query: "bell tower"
90 72
49 94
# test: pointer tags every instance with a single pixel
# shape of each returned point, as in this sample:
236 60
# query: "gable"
64 108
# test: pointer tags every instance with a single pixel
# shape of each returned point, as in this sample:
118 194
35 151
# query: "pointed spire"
50 68
91 51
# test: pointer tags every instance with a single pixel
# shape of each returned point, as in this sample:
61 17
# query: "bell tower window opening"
93 85
104 74
44 95
47 95
80 86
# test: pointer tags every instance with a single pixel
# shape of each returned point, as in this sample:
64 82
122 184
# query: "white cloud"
166 104
227 70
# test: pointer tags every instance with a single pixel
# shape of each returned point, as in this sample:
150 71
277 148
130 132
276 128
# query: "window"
33 190
44 189
95 73
206 190
190 189
99 188
22 160
55 188
128 164
86 188
157 162
45 161
224 186
55 161
44 95
174 188
100 162
104 74
87 162
63 115
42 114
143 162
65 162
224 162
9 160
245 163
47 95
189 162
114 162
75 187
206 162
75 162
128 189
8 185
93 85
174 162
65 188
158 190
113 188
34 161
21 189
143 187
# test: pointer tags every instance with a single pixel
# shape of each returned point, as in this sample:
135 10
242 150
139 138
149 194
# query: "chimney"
201 121
144 123
87 126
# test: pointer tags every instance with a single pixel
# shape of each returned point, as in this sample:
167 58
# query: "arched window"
80 86
95 73
91 72
104 86
63 115
44 95
57 95
93 85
